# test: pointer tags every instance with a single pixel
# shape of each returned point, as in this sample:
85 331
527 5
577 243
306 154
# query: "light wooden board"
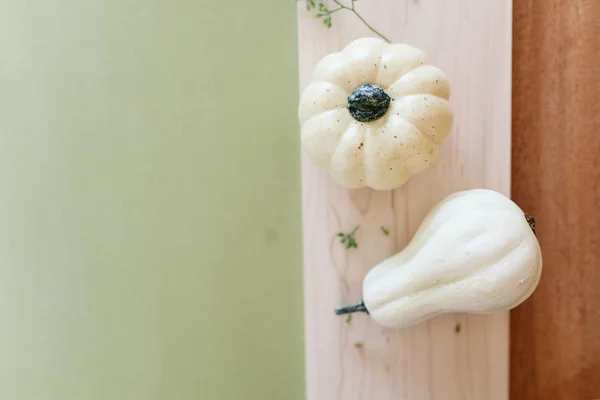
471 41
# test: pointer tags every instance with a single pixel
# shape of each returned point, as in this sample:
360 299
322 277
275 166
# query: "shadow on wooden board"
555 335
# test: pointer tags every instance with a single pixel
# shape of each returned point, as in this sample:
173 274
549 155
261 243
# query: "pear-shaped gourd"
375 114
475 252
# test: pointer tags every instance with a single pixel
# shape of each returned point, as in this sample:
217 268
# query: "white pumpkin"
375 114
475 252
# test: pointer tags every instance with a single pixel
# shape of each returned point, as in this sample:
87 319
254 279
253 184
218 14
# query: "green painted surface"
150 243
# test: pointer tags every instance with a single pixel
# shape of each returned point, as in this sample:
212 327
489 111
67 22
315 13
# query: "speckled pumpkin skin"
384 152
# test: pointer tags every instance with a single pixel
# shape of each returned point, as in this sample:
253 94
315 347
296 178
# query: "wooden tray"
470 40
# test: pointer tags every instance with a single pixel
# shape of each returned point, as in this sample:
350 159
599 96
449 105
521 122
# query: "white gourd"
375 114
476 252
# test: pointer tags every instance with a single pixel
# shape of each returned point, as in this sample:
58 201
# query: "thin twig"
353 9
336 10
369 26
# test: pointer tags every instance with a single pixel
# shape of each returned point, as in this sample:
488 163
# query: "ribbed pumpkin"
375 114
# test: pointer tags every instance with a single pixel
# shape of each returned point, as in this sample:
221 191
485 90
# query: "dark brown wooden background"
555 335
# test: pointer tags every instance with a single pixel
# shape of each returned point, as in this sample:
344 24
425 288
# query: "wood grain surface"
555 335
471 41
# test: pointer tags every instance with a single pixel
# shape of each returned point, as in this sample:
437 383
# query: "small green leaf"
348 318
358 345
457 329
348 238
385 231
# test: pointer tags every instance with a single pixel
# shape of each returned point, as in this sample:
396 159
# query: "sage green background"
150 239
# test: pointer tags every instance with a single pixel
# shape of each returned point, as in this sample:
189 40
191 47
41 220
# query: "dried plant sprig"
325 13
348 239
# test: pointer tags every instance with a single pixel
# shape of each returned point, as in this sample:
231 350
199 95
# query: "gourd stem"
352 308
531 222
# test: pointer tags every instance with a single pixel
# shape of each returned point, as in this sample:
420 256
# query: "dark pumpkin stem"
368 103
352 308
